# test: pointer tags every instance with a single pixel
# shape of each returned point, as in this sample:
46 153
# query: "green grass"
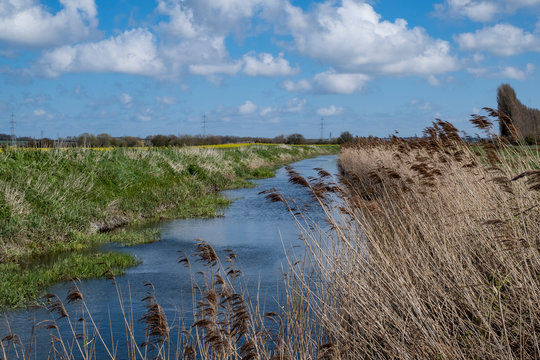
69 200
18 283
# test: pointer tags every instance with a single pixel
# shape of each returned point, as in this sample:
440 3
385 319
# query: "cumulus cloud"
216 16
330 111
511 72
352 38
132 52
247 108
481 10
28 23
506 72
500 39
329 82
266 65
475 10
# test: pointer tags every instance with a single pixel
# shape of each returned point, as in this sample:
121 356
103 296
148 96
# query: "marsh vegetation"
429 248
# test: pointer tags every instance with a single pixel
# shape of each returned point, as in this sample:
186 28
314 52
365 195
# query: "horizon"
260 68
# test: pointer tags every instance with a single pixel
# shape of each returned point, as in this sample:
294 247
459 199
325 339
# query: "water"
260 233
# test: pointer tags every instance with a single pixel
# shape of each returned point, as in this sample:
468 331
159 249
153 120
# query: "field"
56 204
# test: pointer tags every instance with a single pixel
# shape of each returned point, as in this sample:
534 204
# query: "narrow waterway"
260 233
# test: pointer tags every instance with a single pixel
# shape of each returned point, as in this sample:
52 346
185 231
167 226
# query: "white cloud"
28 23
167 100
477 71
475 10
517 74
216 16
247 108
132 52
508 72
329 82
294 105
352 38
126 100
146 115
267 110
37 99
300 86
332 82
481 10
212 69
266 65
433 81
500 39
330 111
39 112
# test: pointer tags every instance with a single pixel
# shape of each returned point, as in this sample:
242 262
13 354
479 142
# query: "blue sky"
260 67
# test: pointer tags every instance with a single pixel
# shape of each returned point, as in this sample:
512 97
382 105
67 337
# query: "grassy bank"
56 201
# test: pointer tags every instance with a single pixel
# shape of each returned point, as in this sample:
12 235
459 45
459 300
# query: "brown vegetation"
438 255
526 120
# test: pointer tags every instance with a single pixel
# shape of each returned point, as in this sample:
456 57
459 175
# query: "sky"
260 67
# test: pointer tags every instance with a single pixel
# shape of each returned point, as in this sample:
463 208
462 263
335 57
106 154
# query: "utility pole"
204 125
13 137
322 128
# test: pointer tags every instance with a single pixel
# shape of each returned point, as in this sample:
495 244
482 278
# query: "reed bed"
431 251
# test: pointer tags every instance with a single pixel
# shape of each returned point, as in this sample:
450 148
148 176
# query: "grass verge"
73 199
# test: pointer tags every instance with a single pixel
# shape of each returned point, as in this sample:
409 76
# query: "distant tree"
345 137
87 140
118 142
104 140
279 139
295 139
159 140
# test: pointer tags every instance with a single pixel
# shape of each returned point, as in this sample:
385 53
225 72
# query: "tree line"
159 140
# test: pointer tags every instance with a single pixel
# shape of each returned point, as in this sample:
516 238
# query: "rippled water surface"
259 231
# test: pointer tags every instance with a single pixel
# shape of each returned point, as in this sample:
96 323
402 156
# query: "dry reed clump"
434 253
14 199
